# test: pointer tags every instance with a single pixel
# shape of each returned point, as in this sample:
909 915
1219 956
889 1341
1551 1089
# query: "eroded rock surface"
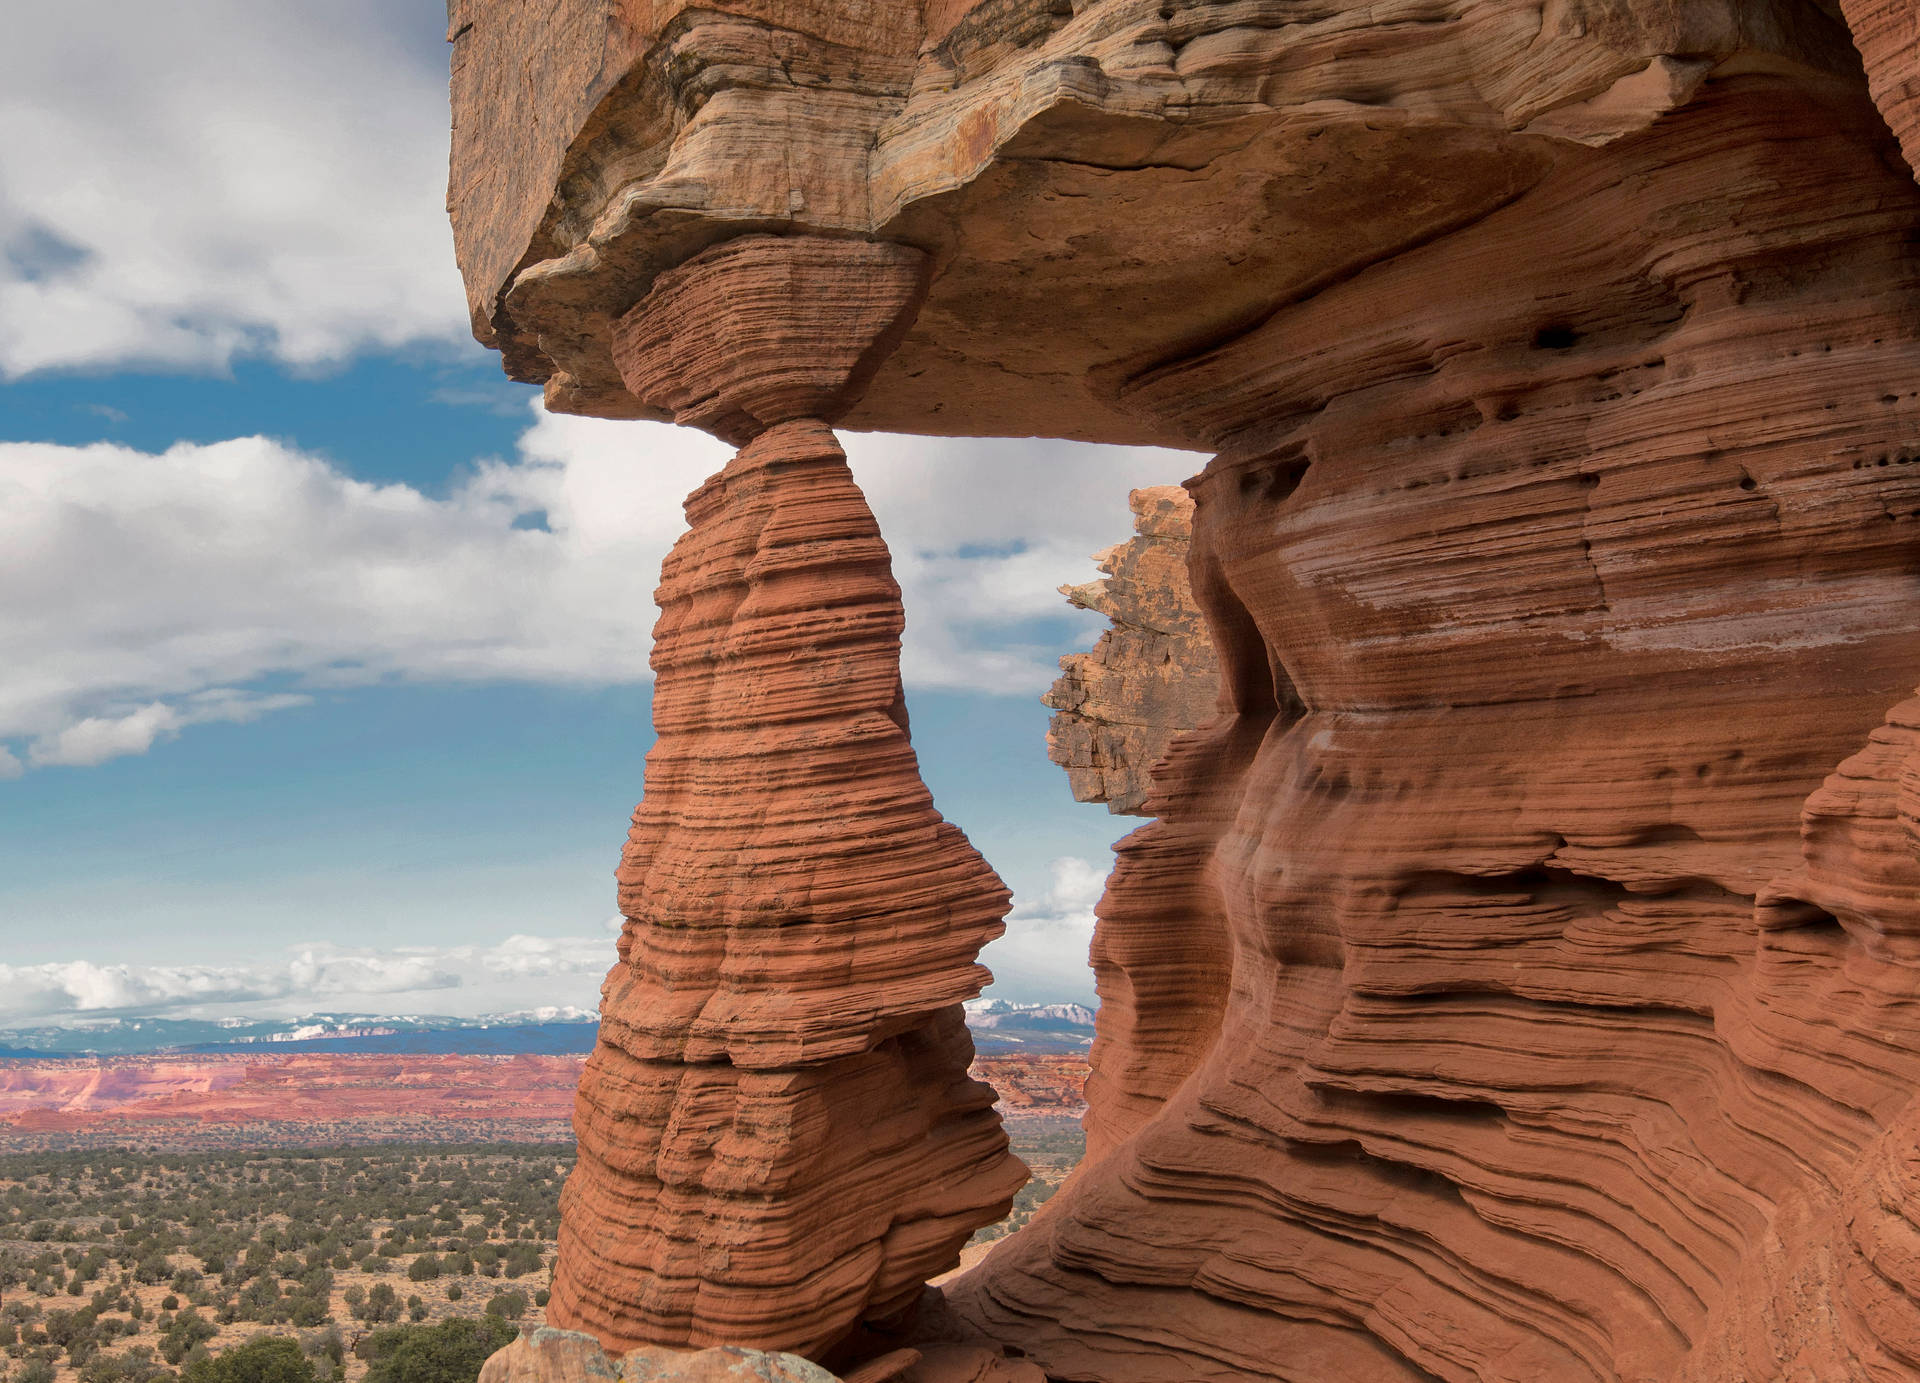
1516 982
778 1136
547 1355
568 1356
1151 675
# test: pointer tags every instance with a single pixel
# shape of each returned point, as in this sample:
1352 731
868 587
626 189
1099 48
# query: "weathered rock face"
778 1136
1541 627
565 1356
1151 676
547 1355
1517 980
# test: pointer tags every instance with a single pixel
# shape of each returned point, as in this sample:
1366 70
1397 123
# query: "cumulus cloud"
539 957
1043 955
188 182
219 582
306 976
95 739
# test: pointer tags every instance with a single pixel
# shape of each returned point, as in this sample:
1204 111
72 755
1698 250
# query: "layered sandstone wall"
1516 980
1583 570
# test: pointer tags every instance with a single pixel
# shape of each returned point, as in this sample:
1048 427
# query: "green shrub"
137 1365
187 1329
450 1352
508 1305
328 1346
523 1258
381 1306
266 1359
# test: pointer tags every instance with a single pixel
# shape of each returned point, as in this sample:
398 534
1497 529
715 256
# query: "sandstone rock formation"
1151 675
1516 981
565 1356
547 1355
778 1135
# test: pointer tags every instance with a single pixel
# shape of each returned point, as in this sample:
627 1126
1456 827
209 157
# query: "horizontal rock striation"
1546 1054
779 1139
1515 982
1151 675
778 1135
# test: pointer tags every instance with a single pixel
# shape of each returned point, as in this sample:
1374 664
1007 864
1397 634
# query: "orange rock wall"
1573 594
778 1134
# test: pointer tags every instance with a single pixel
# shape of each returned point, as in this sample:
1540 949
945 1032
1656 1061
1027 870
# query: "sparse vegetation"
1051 1149
271 1267
386 1264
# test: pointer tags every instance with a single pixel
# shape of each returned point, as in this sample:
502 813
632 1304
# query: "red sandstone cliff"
1516 981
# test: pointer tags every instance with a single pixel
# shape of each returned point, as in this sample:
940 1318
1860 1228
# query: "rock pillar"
1153 675
778 1137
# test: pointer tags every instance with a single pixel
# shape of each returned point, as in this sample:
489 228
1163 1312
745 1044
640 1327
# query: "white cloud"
308 975
185 182
1042 958
537 957
1043 955
984 532
150 593
95 739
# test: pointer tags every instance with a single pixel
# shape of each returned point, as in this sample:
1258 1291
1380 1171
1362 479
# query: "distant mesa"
562 1032
555 1031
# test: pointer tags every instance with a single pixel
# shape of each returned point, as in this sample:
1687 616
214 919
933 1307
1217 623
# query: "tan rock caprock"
1151 676
1517 979
778 1136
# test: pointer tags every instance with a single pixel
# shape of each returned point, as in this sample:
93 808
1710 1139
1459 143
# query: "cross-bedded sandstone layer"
1151 675
778 1136
1527 1069
1517 981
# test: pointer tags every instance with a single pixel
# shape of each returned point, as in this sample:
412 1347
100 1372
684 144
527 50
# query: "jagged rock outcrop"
1151 675
778 1136
1509 987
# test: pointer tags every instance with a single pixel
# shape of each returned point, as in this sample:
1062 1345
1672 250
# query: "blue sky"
324 647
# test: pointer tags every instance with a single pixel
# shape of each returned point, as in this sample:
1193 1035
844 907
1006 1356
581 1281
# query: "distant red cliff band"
331 1089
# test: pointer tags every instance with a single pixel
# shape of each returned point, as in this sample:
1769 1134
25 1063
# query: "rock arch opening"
1475 651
